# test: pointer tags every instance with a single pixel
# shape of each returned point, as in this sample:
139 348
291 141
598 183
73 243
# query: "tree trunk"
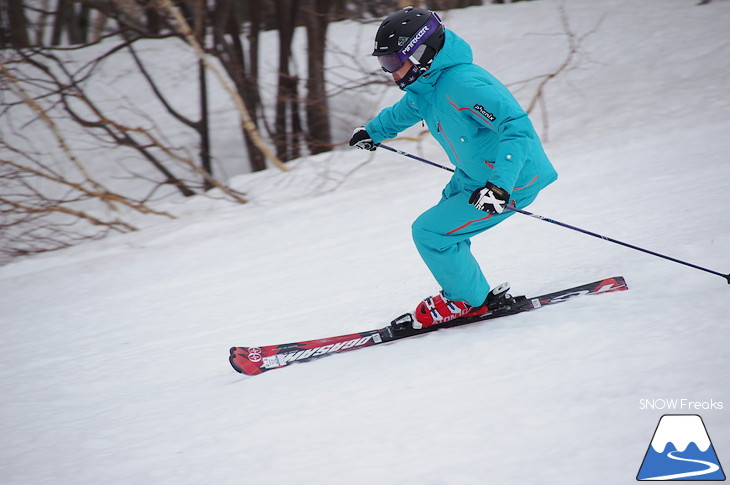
286 99
203 125
319 137
230 50
250 86
60 21
12 16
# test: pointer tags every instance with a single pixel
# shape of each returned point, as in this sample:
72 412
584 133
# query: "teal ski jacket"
486 134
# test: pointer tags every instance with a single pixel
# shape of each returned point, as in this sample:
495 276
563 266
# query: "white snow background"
113 354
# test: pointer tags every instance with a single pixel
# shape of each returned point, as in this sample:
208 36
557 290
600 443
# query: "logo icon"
254 354
681 450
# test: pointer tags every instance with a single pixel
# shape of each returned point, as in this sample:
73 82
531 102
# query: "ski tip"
241 362
232 360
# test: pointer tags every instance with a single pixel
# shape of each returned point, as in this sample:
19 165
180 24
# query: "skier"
489 138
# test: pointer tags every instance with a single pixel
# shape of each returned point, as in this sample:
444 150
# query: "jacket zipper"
440 129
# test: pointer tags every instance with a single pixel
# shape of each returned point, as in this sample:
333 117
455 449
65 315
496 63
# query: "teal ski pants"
443 235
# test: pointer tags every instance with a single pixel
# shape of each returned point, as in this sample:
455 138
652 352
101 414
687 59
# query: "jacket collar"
455 51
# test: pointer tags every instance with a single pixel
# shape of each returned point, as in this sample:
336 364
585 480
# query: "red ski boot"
439 309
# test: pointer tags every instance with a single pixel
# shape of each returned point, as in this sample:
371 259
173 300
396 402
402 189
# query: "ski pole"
616 241
574 228
406 154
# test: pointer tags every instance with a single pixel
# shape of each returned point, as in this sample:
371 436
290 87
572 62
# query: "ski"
256 360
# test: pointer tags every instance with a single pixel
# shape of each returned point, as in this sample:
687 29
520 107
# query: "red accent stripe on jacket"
479 115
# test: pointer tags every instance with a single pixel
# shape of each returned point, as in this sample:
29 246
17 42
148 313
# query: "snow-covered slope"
113 355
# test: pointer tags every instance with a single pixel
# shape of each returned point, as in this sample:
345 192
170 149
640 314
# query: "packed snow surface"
113 361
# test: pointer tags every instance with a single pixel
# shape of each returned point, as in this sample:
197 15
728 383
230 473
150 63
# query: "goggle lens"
391 62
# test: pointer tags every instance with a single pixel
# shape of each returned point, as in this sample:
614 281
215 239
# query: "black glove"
361 139
490 198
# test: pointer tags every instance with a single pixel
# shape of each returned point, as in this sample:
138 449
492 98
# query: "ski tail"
608 285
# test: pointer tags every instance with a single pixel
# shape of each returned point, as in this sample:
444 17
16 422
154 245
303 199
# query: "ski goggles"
413 48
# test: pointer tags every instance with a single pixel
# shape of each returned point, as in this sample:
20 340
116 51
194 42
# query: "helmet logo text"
415 39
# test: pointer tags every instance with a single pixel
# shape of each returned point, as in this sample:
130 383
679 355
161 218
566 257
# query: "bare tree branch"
246 122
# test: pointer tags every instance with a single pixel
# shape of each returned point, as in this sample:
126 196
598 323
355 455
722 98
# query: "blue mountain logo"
681 450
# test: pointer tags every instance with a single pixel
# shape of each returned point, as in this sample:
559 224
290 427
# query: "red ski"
255 360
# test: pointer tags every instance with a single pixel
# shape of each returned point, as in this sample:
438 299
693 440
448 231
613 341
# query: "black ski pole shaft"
574 228
616 241
406 154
